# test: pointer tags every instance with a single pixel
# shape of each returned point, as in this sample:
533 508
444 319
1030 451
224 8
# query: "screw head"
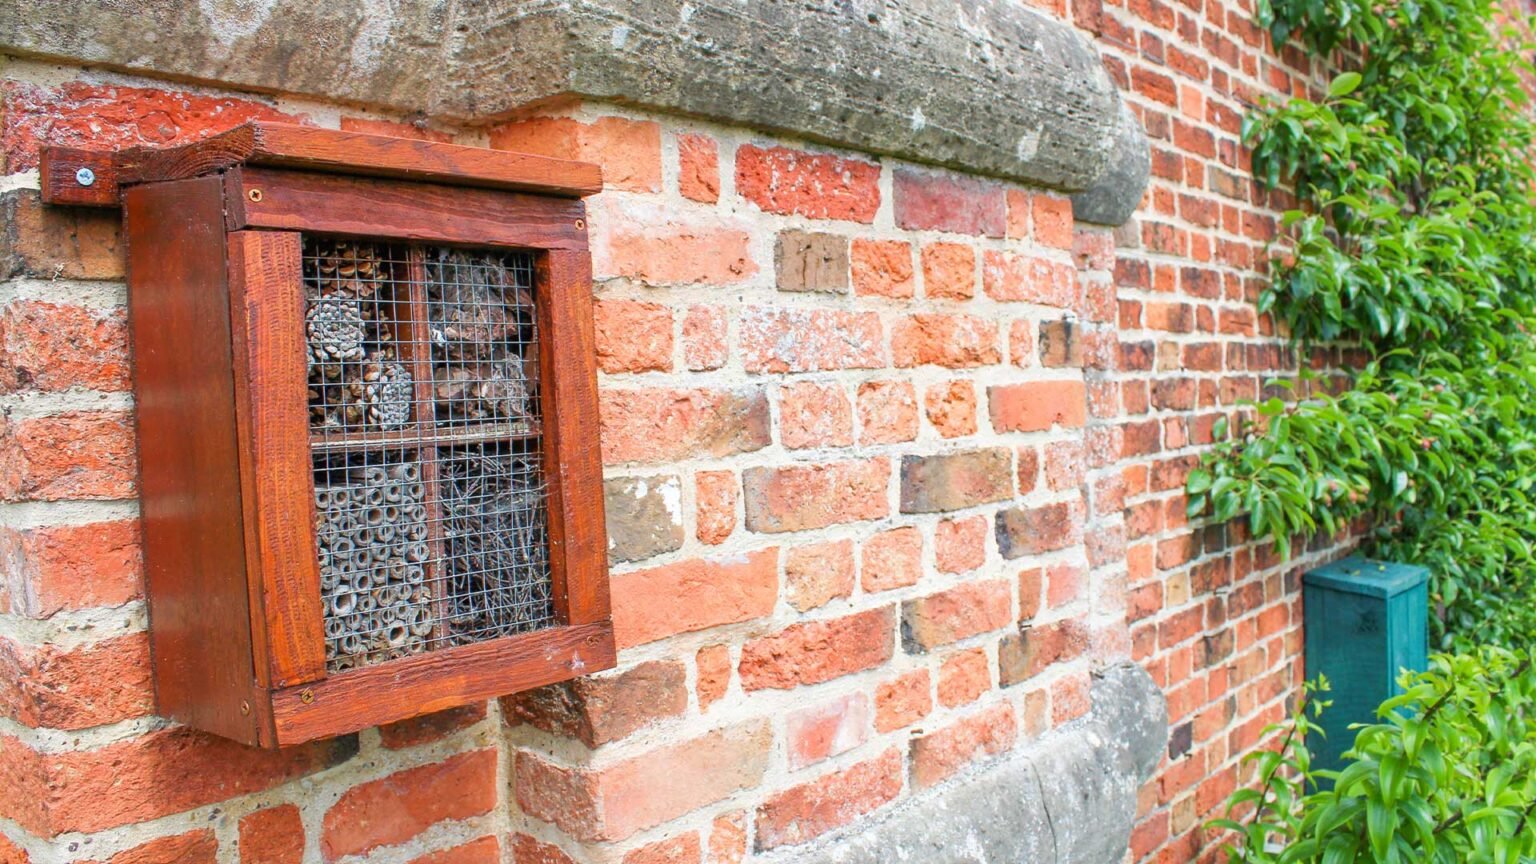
306 695
254 194
85 176
245 707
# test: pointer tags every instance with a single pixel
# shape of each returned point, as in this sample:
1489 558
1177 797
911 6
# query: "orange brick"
801 497
887 412
52 347
964 677
891 559
951 408
398 807
1011 277
714 679
882 268
698 168
643 244
671 425
945 752
954 341
816 574
715 499
272 836
629 151
682 849
704 338
1051 216
92 685
955 614
814 185
822 731
805 812
527 850
1038 405
949 271
960 545
193 847
903 701
814 415
720 591
728 839
817 651
85 454
633 336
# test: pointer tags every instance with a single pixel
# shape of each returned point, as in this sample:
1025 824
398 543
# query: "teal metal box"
1366 621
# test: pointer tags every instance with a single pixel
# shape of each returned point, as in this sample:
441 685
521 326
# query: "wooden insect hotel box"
367 415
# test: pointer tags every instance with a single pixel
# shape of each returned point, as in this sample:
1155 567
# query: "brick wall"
893 456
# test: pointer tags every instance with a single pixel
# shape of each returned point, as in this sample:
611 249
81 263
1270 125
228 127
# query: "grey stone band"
983 86
1068 799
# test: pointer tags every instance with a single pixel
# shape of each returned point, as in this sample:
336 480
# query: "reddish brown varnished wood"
301 201
270 369
568 370
59 170
189 461
438 680
308 148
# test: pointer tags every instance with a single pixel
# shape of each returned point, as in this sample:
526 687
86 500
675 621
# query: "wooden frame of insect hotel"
367 402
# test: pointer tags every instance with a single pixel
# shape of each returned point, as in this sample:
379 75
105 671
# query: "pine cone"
335 329
385 394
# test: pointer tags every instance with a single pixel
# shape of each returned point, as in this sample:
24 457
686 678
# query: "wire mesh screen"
430 500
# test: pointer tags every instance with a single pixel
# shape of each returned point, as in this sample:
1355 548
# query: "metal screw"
306 695
581 223
254 194
85 176
245 707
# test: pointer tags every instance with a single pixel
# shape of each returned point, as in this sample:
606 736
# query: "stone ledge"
1068 799
984 86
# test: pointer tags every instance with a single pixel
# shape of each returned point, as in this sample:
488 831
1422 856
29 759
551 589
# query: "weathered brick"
721 591
485 850
810 261
941 754
704 338
810 340
272 836
629 151
193 847
1037 405
682 849
887 412
964 677
91 685
430 728
1060 344
819 732
714 674
633 336
955 341
622 798
818 573
802 497
1032 650
960 544
891 559
949 271
927 201
398 807
817 651
1051 220
728 839
600 710
83 454
955 481
804 812
951 408
698 167
644 516
1032 530
672 425
955 614
882 268
1012 277
902 701
54 346
646 242
814 415
814 185
715 496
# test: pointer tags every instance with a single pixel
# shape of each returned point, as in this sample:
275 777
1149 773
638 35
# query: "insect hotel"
367 419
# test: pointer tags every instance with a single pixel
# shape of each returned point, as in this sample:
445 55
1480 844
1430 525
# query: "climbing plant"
1413 243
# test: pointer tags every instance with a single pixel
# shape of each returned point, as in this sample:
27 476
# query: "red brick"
1009 277
955 614
485 850
964 677
682 849
721 590
819 732
85 454
882 268
404 804
623 798
527 850
948 202
59 242
955 480
704 338
955 341
698 168
1025 531
804 812
629 151
802 497
672 425
960 544
887 412
1064 464
645 241
776 340
891 559
814 415
715 495
817 651
1070 698
92 685
902 701
1051 218
816 574
52 347
272 836
1037 405
951 408
633 336
600 710
1032 650
728 839
949 271
10 853
941 754
814 185
714 665
193 847
108 117
1030 585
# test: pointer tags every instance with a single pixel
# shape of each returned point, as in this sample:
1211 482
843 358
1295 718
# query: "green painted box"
1366 621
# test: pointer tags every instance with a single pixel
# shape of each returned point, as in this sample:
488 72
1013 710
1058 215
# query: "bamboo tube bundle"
372 537
484 336
497 572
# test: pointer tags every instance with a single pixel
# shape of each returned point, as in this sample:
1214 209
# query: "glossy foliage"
1414 245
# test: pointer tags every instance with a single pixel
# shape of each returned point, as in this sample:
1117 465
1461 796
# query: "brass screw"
581 223
254 194
306 695
245 707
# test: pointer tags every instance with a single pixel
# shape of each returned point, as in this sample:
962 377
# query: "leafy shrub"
1446 775
1415 242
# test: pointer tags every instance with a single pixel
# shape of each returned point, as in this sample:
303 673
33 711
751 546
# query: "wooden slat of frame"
287 146
267 314
189 461
568 366
303 201
401 689
59 171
